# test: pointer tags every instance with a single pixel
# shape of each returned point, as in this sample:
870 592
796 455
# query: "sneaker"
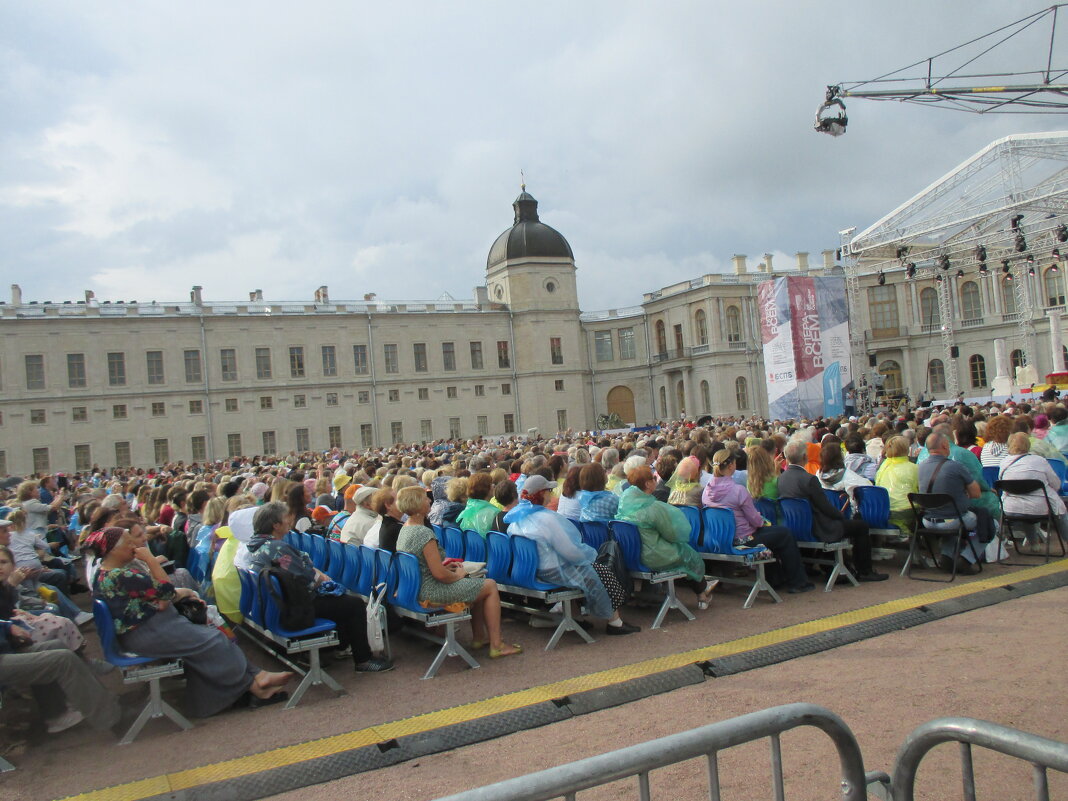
340 654
68 720
374 665
82 618
619 631
873 576
806 587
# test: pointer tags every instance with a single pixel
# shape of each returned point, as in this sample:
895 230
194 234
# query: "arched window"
701 325
663 403
1016 359
1054 286
661 337
971 302
1008 296
741 393
734 324
706 397
892 371
929 307
977 371
936 376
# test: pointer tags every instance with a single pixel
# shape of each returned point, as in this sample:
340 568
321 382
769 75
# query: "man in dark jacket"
828 523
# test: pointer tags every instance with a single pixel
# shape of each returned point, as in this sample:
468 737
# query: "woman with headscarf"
140 598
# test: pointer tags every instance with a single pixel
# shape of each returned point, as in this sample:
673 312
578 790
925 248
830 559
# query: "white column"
1056 341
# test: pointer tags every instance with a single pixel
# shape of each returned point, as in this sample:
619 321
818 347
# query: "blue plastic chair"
840 501
317 551
498 557
337 560
272 615
693 515
248 593
1061 469
405 582
383 560
768 508
350 575
132 670
630 543
873 504
452 540
525 564
990 474
368 570
720 526
797 516
593 532
474 546
293 539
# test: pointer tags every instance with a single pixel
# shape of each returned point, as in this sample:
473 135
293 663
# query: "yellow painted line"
313 749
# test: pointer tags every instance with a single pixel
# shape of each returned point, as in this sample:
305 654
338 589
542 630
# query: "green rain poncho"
478 516
665 533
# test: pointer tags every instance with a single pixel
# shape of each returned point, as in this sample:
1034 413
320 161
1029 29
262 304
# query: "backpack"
296 605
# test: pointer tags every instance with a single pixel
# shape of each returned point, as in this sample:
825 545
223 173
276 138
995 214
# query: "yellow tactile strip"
289 755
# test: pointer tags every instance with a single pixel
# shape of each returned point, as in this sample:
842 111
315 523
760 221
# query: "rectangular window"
270 443
122 454
35 376
266 402
117 369
476 355
161 451
424 393
196 407
419 352
482 422
509 424
118 411
480 390
882 305
83 460
193 372
626 344
80 414
602 346
263 362
303 443
233 445
296 362
559 384
503 358
154 366
359 358
199 448
448 356
333 437
159 408
37 416
450 393
556 350
561 419
329 361
300 401
366 435
389 352
426 430
331 399
230 404
506 389
41 461
76 370
393 395
454 428
363 396
228 363
396 431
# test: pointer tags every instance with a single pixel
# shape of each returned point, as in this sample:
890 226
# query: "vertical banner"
805 333
777 338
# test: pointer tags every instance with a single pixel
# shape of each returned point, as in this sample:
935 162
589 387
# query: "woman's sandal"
705 598
498 653
478 645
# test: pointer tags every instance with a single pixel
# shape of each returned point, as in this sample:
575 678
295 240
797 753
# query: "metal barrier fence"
564 781
1042 753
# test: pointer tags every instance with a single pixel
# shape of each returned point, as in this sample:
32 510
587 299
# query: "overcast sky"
146 147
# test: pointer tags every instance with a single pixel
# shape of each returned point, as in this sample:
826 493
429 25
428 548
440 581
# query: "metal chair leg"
567 623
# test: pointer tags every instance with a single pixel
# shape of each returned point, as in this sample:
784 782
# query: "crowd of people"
150 543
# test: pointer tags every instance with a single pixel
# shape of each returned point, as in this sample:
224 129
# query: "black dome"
528 237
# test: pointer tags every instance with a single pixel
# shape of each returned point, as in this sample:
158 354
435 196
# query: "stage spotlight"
943 261
1005 266
1015 221
1008 277
882 278
980 254
902 252
960 273
1062 233
1055 253
983 270
1031 271
938 279
1053 268
1021 243
910 270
